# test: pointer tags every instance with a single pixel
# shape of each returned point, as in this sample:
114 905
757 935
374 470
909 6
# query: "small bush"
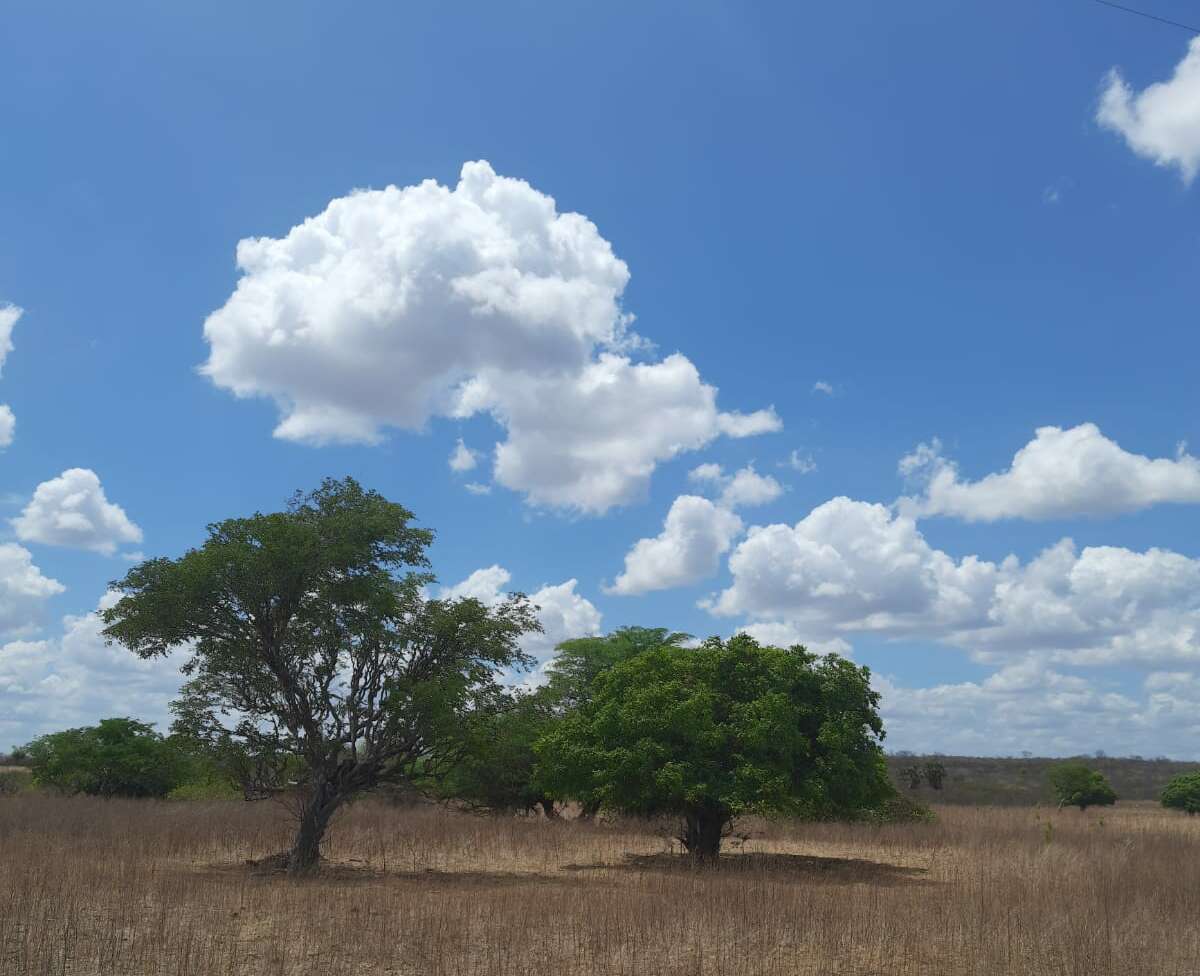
208 788
900 809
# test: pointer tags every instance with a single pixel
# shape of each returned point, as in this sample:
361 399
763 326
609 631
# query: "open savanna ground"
136 887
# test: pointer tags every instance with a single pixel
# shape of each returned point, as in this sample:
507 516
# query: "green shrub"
1183 793
117 757
214 788
900 809
1075 785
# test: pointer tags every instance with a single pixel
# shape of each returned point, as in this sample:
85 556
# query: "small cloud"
800 463
821 386
475 488
1051 195
462 458
743 487
134 556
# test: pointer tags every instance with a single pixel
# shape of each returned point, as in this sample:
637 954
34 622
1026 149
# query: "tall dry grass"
113 888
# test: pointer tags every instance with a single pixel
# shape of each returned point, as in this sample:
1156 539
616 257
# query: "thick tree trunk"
702 830
305 854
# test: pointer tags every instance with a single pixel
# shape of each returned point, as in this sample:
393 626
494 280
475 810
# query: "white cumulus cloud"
75 679
744 488
398 305
696 531
1059 474
1162 122
695 534
72 510
24 590
562 611
852 567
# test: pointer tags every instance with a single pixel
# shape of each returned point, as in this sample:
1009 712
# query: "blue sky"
951 217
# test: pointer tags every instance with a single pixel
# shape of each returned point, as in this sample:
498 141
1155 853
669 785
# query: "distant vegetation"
1023 781
1076 784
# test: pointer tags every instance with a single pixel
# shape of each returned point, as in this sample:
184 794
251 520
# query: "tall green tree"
116 757
725 729
313 649
1077 785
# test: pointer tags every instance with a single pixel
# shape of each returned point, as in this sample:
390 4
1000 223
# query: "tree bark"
305 854
702 830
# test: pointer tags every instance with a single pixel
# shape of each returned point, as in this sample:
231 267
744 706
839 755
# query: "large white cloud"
851 567
1059 474
75 679
562 611
398 305
72 510
1161 122
854 566
696 533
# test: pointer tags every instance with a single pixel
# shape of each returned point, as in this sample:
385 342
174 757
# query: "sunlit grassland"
124 887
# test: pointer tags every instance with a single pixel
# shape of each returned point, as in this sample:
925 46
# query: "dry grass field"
126 887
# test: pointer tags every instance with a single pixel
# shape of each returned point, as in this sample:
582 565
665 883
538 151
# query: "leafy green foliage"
577 663
722 730
315 659
935 774
912 776
1183 793
497 768
117 757
1076 785
899 809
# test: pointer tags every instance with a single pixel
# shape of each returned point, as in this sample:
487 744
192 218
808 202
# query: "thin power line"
1142 13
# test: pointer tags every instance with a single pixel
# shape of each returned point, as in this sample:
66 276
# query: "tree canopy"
1183 793
314 651
725 729
1077 785
117 757
497 769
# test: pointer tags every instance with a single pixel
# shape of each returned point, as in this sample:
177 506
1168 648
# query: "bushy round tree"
1076 785
117 757
1183 793
729 728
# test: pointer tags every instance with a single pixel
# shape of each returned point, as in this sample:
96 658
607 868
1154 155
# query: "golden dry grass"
113 888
